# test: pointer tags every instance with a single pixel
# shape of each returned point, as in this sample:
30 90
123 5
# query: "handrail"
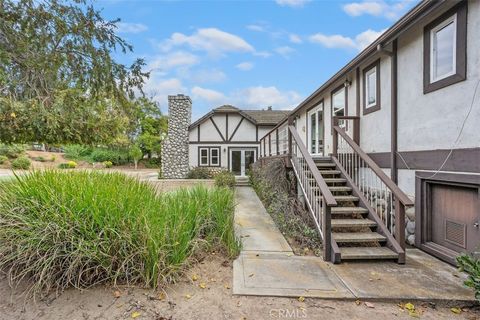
325 191
397 192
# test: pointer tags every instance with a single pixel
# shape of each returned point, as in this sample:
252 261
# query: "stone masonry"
175 146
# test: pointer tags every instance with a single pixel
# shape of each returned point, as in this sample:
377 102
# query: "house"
228 137
391 142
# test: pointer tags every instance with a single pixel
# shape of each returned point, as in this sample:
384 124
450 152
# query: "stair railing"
387 200
318 197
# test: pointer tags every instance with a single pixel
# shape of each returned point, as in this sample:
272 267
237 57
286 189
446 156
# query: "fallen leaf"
136 314
369 305
162 296
194 277
358 302
456 310
301 299
227 286
117 294
188 296
409 306
202 285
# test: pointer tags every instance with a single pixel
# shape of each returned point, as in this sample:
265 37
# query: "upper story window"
445 49
339 104
371 88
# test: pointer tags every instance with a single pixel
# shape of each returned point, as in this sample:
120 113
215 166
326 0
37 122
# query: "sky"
250 54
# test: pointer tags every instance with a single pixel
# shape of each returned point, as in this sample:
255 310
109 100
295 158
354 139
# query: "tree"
136 154
58 80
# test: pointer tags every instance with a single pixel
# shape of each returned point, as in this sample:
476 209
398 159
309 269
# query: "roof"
267 117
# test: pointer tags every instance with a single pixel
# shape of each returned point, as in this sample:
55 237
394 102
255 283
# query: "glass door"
316 130
236 162
241 159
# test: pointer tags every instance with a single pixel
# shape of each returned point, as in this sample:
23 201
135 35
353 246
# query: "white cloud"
295 38
212 40
244 66
377 8
256 27
292 3
126 27
360 42
259 97
205 76
263 54
159 89
209 95
172 60
285 51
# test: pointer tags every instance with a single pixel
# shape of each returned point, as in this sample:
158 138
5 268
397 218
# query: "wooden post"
327 233
278 150
269 145
335 138
400 223
290 122
356 131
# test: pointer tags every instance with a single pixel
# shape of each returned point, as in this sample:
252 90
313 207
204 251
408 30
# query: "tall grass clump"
77 229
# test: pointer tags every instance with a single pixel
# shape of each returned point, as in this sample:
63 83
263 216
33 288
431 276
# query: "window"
339 104
445 49
209 157
371 88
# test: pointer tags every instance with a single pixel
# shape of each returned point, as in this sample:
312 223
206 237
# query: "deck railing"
382 194
318 197
275 142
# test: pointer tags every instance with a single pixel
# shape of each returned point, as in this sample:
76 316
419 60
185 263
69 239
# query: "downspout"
394 108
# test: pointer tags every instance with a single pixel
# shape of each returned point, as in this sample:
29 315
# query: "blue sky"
251 54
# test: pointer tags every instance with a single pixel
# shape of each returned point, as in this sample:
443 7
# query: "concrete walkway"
268 267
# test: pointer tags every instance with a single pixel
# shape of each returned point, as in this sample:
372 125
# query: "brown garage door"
450 218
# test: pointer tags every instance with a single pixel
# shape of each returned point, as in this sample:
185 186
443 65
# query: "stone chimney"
175 163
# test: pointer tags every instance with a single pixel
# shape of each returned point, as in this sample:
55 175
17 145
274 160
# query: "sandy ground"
209 297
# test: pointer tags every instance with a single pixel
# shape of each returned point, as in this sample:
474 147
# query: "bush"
82 228
200 173
3 159
152 163
39 159
12 150
117 157
77 151
21 163
68 165
225 179
471 266
53 158
108 164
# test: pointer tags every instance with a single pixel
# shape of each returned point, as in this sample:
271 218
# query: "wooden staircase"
354 229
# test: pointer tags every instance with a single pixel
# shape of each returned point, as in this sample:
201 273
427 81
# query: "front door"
241 159
315 130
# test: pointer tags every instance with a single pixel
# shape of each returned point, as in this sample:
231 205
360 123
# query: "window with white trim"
371 88
209 157
214 156
339 101
443 49
203 157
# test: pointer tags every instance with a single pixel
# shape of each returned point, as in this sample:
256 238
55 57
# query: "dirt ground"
209 296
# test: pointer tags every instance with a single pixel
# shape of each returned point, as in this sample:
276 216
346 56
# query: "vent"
455 233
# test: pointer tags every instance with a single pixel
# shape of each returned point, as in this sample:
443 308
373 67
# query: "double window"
445 49
209 157
371 88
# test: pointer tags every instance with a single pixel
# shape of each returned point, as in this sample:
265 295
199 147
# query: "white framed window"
443 49
214 156
339 101
203 157
371 87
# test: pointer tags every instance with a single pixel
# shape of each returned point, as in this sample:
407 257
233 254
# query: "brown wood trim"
335 90
256 132
392 244
327 195
226 127
394 112
397 192
198 133
422 181
461 47
218 130
225 142
463 160
236 128
357 91
377 106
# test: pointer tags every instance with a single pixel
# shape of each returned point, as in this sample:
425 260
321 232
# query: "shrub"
68 165
77 151
152 163
117 157
108 164
136 154
21 163
225 179
82 228
471 266
3 159
39 159
12 150
53 158
200 173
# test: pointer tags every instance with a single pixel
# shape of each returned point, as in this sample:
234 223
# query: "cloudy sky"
251 54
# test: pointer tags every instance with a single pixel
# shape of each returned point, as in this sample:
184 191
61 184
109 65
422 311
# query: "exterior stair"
242 182
353 231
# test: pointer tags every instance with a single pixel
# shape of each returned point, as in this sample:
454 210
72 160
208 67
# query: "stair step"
340 189
348 237
346 198
335 180
325 164
348 210
367 253
351 223
330 171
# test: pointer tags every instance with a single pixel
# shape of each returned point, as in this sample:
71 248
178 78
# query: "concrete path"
268 267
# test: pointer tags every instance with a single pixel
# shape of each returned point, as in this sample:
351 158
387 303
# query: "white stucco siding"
224 150
433 120
246 132
193 134
233 121
208 132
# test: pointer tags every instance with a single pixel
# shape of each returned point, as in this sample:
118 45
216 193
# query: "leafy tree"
136 154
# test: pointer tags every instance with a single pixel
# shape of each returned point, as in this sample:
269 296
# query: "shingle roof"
259 117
